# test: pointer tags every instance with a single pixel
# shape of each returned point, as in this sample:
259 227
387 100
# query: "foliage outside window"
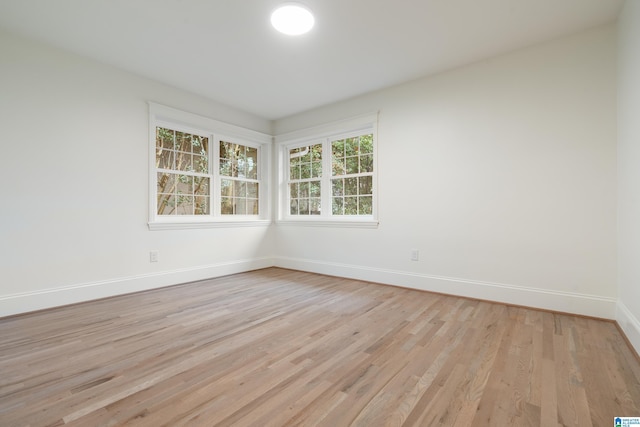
205 173
332 177
305 172
183 178
239 184
184 175
352 175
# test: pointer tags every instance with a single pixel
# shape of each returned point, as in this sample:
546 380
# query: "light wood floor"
277 347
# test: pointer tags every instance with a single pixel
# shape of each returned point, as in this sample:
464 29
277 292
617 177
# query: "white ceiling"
226 50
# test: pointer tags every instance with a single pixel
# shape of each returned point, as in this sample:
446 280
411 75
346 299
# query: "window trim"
367 123
161 115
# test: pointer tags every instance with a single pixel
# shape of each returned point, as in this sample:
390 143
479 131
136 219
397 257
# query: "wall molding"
629 324
574 303
48 298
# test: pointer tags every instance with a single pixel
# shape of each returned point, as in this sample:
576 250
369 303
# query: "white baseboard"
48 298
629 324
586 305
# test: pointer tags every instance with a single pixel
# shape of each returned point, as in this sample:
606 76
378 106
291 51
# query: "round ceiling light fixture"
292 19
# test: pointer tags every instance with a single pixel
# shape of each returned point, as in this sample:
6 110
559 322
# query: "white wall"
628 315
74 174
502 174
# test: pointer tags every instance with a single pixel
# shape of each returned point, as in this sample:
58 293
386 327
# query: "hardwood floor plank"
277 347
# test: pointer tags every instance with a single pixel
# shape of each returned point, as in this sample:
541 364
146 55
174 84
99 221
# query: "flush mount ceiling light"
292 19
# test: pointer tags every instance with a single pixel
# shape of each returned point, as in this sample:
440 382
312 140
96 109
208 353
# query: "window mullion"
214 161
327 175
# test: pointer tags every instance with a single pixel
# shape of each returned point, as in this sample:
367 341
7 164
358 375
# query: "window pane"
337 148
366 144
338 187
201 205
351 146
164 159
226 188
365 185
293 190
352 165
175 151
200 164
316 152
166 204
351 186
365 205
314 189
337 206
183 142
303 206
252 163
294 172
225 167
166 183
184 205
242 162
238 161
184 161
164 137
240 206
224 150
201 185
228 159
316 169
294 207
252 207
200 145
351 206
314 207
240 189
338 166
305 171
226 206
366 163
303 189
184 184
305 155
252 190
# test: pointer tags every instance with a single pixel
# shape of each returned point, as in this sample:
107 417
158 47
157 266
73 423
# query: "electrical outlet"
153 256
415 255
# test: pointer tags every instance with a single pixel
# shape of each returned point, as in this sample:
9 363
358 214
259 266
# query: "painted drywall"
628 315
74 170
502 174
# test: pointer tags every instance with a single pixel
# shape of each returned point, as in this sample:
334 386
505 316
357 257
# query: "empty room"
320 213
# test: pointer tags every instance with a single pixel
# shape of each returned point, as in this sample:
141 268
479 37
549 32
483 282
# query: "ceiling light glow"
292 19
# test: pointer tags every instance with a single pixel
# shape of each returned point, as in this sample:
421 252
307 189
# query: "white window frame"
325 134
163 116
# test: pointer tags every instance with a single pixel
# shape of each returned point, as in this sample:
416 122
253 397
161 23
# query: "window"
239 179
305 173
183 173
328 175
203 178
352 175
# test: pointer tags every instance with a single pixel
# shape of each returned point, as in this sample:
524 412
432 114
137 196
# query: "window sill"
199 224
332 223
